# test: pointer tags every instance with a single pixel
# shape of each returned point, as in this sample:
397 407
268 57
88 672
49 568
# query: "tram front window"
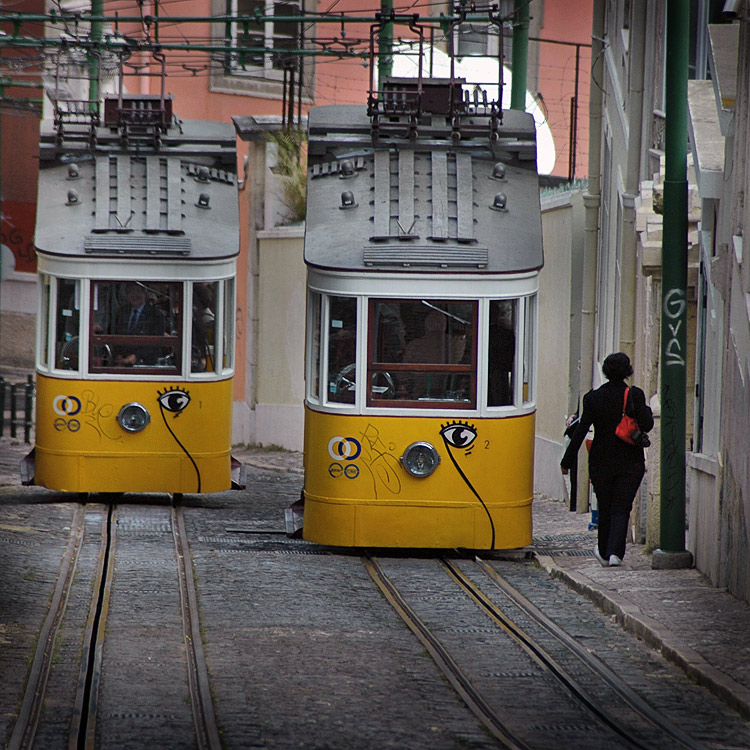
135 326
422 353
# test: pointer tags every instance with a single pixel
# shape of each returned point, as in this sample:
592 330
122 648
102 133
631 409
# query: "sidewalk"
702 629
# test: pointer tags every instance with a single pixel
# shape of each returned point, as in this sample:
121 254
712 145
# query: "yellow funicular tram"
137 237
423 247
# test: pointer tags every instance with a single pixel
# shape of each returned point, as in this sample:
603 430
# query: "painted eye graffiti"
174 400
459 434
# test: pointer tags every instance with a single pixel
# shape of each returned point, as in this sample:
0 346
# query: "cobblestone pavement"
700 628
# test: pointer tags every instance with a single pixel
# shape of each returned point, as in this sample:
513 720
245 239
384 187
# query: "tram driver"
138 317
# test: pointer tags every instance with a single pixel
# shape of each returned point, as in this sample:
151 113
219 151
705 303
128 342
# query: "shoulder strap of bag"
625 400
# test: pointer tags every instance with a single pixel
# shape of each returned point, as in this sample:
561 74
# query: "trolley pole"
520 55
672 552
385 43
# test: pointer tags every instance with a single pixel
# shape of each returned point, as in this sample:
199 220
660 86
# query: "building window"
275 35
247 67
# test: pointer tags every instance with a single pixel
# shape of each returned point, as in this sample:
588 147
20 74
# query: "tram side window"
135 326
342 349
43 339
67 324
422 353
203 337
313 363
529 351
501 352
228 325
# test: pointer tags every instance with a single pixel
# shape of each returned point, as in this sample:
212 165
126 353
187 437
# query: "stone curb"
267 465
630 617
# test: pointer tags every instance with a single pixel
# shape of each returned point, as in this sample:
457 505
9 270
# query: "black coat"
150 323
603 409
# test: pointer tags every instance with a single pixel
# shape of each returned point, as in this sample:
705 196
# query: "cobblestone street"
303 651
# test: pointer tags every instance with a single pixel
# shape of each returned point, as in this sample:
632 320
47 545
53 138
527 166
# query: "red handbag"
627 425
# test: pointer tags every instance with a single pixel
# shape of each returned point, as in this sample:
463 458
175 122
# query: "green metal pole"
385 44
671 552
520 55
95 34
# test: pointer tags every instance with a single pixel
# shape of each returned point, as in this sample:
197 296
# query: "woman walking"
616 468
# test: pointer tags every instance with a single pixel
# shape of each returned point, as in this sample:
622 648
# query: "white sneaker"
614 561
601 560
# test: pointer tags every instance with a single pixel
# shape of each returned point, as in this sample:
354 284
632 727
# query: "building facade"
624 229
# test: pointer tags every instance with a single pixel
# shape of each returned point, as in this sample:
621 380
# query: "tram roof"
388 199
105 196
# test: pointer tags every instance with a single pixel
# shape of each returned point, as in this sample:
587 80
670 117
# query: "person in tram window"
502 352
616 468
204 323
138 317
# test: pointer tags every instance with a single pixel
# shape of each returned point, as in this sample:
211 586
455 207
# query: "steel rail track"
27 722
624 691
472 697
83 726
204 718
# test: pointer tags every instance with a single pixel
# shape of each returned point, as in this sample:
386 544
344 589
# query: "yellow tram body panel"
81 447
357 493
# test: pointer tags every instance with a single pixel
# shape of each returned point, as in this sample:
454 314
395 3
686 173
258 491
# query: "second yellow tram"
423 246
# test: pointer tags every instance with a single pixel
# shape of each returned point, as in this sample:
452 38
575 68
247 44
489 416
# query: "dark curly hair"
617 366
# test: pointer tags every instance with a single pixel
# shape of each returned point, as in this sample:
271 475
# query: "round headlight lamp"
133 417
420 459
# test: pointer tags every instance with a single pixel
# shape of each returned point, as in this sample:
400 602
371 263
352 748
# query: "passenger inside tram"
138 317
502 352
438 345
204 325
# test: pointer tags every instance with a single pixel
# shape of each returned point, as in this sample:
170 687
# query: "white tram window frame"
327 324
43 323
225 334
198 338
516 304
56 315
529 364
314 350
428 370
115 287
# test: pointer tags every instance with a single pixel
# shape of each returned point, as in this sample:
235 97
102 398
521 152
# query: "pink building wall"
568 21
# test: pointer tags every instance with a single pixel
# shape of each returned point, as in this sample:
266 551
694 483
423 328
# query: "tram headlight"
133 417
420 459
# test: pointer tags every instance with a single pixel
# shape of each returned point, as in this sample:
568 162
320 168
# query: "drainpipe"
591 202
520 55
629 259
672 552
